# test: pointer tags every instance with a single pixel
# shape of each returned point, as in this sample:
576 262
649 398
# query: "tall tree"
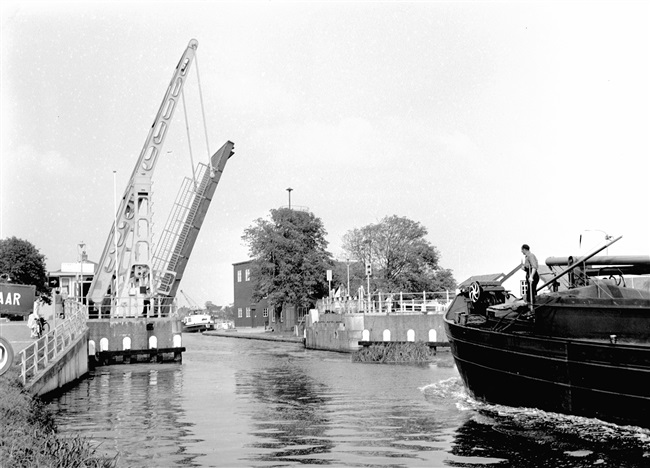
290 259
22 263
402 258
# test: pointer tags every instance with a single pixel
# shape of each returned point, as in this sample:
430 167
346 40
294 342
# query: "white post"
46 354
348 262
117 285
81 282
54 308
369 298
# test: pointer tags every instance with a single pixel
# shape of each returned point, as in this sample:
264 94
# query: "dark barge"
582 351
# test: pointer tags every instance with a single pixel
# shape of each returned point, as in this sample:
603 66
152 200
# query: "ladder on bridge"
185 220
176 231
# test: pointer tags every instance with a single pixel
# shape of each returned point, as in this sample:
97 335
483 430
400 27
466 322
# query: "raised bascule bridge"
130 310
131 301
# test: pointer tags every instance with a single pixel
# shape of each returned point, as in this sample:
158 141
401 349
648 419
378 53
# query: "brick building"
249 314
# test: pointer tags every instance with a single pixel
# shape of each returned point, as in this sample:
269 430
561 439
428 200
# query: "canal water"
250 403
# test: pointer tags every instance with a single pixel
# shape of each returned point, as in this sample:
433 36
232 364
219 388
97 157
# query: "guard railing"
390 303
37 356
129 307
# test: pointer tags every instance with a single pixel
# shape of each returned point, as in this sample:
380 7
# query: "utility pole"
116 284
289 190
347 261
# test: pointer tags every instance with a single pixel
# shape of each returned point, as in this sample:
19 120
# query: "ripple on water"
532 436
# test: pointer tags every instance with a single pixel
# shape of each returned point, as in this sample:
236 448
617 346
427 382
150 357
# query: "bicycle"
43 327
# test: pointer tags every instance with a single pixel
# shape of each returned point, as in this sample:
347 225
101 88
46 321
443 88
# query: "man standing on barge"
532 275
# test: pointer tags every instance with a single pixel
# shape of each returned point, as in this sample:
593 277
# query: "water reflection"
319 408
132 411
290 421
249 403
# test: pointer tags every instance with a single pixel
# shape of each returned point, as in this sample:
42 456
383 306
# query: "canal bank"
258 333
29 435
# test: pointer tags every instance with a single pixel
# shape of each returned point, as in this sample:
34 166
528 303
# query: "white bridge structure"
389 303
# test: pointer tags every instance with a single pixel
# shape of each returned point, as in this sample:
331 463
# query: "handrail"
130 307
392 303
37 356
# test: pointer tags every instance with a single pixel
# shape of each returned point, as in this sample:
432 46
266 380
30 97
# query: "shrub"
28 434
395 352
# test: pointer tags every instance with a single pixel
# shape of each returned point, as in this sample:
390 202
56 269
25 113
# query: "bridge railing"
426 302
130 307
37 356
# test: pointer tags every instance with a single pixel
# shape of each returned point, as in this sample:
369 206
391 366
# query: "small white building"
73 279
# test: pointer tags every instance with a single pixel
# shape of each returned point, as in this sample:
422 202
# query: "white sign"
329 275
88 268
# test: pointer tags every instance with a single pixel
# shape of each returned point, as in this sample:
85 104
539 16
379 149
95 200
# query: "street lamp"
368 242
82 252
289 190
607 237
347 261
116 285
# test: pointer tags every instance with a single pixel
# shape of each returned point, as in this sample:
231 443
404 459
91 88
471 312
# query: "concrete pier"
345 332
131 340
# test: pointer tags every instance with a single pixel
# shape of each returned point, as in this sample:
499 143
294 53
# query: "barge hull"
586 378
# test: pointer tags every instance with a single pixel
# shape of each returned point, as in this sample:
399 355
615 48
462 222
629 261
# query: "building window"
265 312
65 286
239 313
239 276
248 274
248 312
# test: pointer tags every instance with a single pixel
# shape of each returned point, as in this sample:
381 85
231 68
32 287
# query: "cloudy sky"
491 123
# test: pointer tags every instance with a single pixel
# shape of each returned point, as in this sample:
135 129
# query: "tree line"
290 259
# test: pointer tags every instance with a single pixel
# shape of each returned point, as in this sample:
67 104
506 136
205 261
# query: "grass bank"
395 352
29 437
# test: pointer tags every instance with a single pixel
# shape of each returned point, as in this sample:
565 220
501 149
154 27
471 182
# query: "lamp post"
54 314
347 261
289 190
116 285
607 237
82 251
368 242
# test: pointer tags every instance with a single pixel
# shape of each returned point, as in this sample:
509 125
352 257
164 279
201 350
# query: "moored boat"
583 349
197 322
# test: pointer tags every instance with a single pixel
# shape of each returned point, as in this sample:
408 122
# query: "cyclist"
34 323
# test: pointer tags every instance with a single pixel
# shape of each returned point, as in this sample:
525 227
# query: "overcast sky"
491 123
